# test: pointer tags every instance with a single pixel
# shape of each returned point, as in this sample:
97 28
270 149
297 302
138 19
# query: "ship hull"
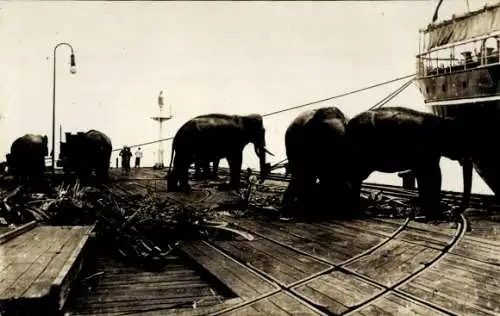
483 118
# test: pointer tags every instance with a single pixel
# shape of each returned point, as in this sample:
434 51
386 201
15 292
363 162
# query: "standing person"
138 156
125 153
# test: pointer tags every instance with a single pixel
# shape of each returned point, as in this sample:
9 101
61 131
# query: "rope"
379 104
339 96
392 95
297 106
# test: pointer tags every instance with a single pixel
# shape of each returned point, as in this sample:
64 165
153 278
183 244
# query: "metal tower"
160 119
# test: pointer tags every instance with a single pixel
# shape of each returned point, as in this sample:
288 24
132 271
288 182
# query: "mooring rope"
296 106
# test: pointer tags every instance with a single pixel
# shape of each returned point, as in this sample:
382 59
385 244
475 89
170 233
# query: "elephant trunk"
263 166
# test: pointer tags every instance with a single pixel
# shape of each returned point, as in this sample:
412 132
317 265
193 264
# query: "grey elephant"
317 151
26 159
87 152
395 139
212 136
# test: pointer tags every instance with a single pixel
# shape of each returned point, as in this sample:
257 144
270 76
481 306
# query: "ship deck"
372 266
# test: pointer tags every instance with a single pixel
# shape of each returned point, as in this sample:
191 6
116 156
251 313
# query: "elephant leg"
102 172
215 169
182 162
302 188
354 198
198 170
235 162
429 189
206 170
172 180
290 195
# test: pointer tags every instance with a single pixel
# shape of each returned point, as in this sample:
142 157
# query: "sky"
206 57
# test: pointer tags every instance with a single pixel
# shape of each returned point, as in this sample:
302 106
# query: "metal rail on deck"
289 289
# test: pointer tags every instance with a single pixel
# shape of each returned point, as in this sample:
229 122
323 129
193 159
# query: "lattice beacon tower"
160 119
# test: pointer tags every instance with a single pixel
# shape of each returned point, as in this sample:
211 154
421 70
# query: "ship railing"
475 53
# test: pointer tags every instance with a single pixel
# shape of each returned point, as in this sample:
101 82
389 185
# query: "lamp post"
72 70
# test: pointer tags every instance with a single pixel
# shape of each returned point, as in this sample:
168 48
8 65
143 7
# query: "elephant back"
30 144
99 141
27 153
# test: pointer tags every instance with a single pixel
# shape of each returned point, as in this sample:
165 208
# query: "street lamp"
72 70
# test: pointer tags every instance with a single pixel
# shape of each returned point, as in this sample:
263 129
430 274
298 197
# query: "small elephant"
26 160
215 136
395 139
316 149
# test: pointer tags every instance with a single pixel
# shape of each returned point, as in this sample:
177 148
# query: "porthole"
464 84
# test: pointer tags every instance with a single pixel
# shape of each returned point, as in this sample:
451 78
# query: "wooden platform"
369 266
38 265
363 267
122 289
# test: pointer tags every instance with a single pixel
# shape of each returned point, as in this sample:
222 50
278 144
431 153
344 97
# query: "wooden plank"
150 293
122 303
373 226
483 224
11 273
394 304
161 308
25 246
483 250
9 234
125 281
321 242
427 235
461 285
277 304
32 258
337 291
242 281
61 286
394 261
146 290
284 265
42 284
362 239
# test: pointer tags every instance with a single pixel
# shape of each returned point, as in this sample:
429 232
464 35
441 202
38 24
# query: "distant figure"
126 154
138 156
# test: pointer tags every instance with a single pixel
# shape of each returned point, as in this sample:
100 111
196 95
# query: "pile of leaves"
143 229
378 204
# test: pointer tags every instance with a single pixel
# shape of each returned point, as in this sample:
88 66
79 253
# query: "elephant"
26 159
395 139
86 152
215 136
202 169
316 150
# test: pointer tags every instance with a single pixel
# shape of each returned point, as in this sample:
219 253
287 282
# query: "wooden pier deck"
38 265
371 266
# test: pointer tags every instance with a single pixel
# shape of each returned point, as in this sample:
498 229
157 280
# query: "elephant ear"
255 118
253 121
